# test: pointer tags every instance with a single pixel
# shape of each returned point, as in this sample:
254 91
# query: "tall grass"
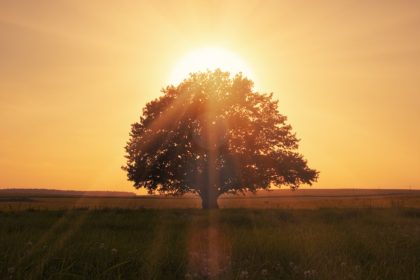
224 244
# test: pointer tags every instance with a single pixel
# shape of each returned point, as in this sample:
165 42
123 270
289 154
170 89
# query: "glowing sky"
75 74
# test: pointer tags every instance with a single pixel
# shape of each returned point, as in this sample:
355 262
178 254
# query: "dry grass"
284 199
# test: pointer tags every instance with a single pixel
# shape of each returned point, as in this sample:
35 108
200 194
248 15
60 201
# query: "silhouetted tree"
212 134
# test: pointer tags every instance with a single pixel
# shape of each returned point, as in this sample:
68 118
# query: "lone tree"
212 134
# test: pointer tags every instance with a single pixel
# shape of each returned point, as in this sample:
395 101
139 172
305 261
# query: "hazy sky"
75 74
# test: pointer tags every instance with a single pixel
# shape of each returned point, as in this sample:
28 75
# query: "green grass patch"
223 244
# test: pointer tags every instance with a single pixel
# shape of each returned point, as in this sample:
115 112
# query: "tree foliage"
212 134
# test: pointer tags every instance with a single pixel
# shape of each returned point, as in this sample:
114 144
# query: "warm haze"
74 75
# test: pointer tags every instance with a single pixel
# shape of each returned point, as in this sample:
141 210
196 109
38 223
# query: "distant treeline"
52 192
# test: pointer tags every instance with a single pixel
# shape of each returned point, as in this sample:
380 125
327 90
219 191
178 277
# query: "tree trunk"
209 201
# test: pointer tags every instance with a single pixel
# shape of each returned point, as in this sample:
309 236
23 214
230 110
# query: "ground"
365 241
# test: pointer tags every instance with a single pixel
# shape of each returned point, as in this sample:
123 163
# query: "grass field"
278 199
324 243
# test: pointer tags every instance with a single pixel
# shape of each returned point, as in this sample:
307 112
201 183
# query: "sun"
209 58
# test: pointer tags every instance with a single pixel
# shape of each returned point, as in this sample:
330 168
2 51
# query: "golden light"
209 58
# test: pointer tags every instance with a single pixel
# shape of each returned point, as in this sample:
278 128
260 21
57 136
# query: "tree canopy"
213 134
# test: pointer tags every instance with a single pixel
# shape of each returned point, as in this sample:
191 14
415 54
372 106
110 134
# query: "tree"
210 135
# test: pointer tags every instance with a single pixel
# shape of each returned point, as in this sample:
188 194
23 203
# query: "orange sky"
75 74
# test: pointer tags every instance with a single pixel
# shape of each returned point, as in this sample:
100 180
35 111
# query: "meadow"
360 242
276 199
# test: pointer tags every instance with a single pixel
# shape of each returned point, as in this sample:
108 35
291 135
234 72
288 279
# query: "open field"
222 244
278 199
315 234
